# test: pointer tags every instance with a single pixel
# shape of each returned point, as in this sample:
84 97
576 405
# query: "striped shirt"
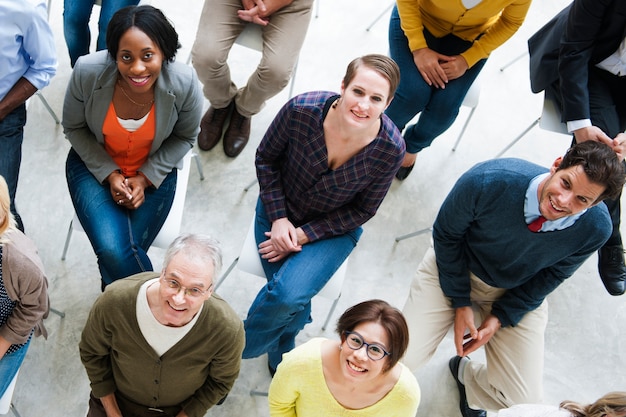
296 181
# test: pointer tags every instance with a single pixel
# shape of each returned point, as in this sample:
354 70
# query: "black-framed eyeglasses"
175 286
374 351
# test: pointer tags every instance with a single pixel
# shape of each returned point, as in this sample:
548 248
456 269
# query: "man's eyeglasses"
175 286
374 351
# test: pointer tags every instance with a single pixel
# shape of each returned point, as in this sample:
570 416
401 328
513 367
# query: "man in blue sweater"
505 237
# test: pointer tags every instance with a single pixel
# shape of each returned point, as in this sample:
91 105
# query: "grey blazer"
178 104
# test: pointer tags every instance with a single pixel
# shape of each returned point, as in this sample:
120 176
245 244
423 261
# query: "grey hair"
196 246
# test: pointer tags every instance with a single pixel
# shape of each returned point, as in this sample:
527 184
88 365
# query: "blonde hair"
7 221
612 404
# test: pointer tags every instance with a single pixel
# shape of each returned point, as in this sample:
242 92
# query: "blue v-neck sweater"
481 228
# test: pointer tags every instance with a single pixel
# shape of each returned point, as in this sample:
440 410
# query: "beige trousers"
514 370
282 39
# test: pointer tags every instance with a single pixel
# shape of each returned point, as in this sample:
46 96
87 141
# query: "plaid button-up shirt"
296 181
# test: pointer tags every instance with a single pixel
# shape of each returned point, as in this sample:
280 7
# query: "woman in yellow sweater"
440 47
357 376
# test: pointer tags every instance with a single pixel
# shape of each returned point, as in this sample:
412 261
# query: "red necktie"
536 224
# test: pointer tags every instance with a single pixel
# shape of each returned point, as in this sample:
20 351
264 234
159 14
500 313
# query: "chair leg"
330 313
67 241
57 312
514 141
14 410
47 106
198 165
225 274
513 61
380 16
416 233
458 139
252 183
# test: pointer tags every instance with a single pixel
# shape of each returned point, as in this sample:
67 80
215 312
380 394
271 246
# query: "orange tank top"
129 150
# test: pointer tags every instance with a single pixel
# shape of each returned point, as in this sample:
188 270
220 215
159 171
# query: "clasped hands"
127 192
438 69
259 11
468 338
284 239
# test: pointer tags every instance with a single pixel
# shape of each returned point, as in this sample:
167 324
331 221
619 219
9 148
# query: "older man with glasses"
163 344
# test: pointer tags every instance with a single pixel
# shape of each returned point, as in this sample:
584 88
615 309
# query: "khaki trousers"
282 40
514 370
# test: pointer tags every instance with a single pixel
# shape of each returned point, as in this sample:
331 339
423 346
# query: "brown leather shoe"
211 126
237 134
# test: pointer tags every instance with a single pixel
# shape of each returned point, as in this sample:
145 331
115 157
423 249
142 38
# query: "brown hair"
612 404
601 165
390 318
382 64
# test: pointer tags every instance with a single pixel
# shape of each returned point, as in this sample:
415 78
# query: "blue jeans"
11 138
119 237
283 306
438 107
9 365
76 14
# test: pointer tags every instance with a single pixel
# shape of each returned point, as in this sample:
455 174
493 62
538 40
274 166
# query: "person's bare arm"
21 91
110 405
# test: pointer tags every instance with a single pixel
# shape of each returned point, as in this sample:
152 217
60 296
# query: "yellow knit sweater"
496 20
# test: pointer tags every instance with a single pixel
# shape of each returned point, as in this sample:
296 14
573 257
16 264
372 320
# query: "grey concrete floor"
585 340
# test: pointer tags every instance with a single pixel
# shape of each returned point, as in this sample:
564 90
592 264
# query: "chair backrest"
249 258
171 227
5 400
551 117
250 262
473 94
251 37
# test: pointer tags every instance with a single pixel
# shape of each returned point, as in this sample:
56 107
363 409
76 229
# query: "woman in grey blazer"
130 113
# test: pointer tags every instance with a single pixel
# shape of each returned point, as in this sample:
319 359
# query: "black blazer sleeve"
590 31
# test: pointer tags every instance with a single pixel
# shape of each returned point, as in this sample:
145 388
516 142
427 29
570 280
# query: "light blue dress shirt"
531 208
26 44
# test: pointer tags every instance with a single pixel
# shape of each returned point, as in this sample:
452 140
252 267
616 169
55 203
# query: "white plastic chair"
249 261
5 401
549 120
471 101
171 227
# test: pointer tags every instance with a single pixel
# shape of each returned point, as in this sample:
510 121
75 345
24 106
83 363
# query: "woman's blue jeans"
119 237
283 306
9 365
438 107
76 14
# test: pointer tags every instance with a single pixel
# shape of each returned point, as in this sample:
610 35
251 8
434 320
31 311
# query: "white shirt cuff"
578 124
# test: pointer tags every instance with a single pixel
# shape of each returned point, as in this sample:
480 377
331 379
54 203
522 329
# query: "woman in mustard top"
358 376
131 113
440 47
